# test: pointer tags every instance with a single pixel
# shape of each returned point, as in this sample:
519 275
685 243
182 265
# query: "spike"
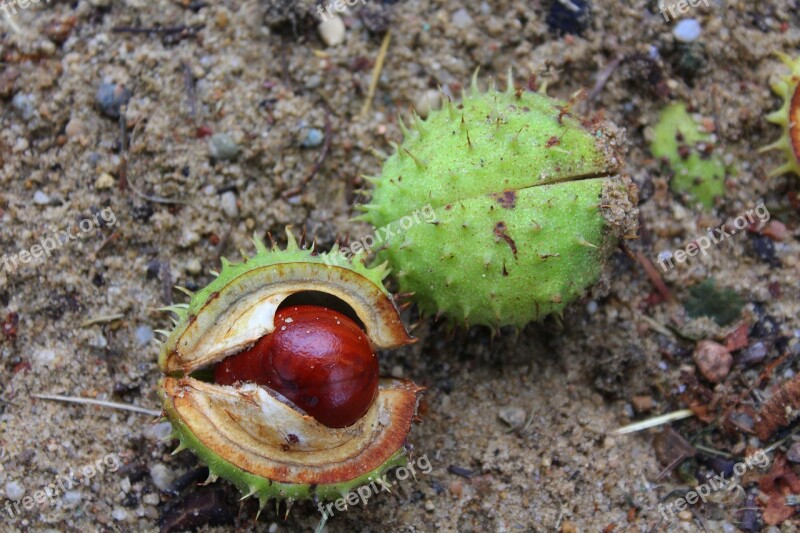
272 243
291 241
783 169
780 144
179 449
473 86
259 244
289 503
420 164
212 477
510 81
162 332
584 242
253 490
374 180
451 109
245 258
403 127
184 290
378 154
172 436
225 262
214 273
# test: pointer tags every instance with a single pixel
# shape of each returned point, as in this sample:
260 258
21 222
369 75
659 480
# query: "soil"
517 428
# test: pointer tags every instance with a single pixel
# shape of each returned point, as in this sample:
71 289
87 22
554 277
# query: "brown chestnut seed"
319 359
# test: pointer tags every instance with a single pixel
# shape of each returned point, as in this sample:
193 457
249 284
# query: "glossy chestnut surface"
319 359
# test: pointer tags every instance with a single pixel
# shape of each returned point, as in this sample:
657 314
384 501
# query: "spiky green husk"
259 487
699 175
787 117
249 484
515 187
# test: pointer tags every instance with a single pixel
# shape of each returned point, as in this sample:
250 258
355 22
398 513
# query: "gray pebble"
14 491
793 455
513 416
162 476
157 432
25 105
143 335
72 497
312 137
227 203
110 97
461 18
222 146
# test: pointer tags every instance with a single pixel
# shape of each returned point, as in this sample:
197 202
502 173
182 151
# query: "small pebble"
41 198
75 128
642 404
754 353
25 105
193 266
119 514
227 203
45 357
332 31
125 485
513 416
429 506
687 30
793 455
110 97
162 476
157 432
713 360
143 335
312 138
14 491
72 497
99 341
105 181
151 498
776 230
427 102
461 18
222 146
397 371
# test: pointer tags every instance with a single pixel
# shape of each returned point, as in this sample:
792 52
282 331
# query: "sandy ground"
85 313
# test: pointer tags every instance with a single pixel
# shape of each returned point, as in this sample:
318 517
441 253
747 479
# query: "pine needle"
101 403
654 422
376 74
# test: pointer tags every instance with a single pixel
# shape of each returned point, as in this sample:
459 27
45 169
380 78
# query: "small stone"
642 404
119 514
332 31
75 128
151 498
25 105
568 527
193 266
105 181
125 485
72 497
776 230
162 476
713 360
143 335
461 18
14 491
110 97
44 357
40 198
98 341
793 455
227 203
222 146
427 102
687 30
8 79
755 353
312 138
429 506
397 371
157 432
685 516
513 416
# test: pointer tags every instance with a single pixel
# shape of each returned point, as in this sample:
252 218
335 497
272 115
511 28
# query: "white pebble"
461 18
228 204
162 476
193 266
125 485
143 335
72 497
41 198
44 357
151 499
14 491
119 514
157 432
332 31
687 30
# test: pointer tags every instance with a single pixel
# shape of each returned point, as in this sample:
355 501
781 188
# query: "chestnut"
319 359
